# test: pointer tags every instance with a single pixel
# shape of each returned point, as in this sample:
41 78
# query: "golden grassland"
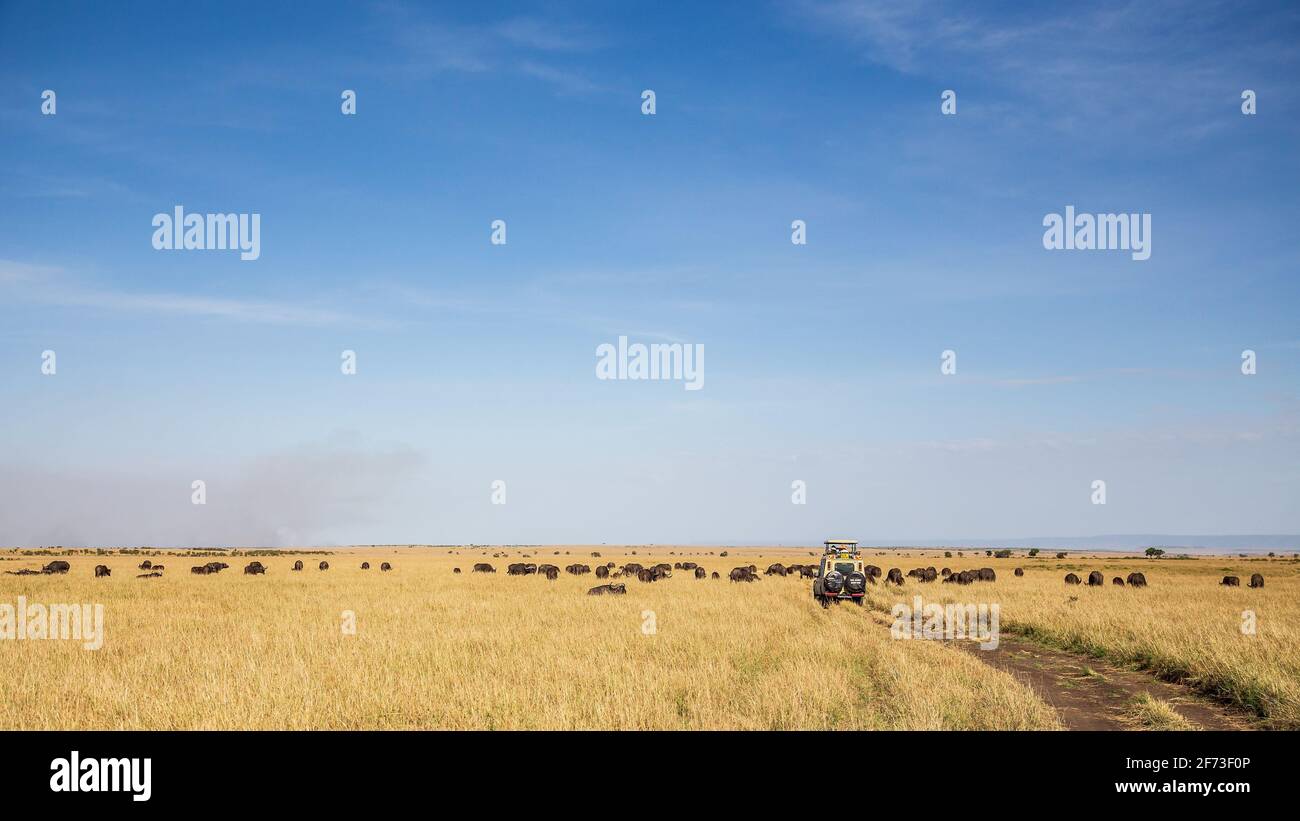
434 649
1183 627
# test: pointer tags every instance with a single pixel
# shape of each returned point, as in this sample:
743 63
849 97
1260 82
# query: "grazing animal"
297 565
700 573
1020 571
602 572
1137 580
775 570
56 567
610 589
1117 581
1095 579
985 574
455 570
154 575
201 570
715 575
158 567
551 572
1070 578
385 566
255 569
1230 581
483 567
146 564
323 566
1257 580
872 571
895 576
365 565
101 570
743 574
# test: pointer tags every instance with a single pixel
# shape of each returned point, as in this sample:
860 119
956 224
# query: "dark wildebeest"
1095 579
385 566
677 565
700 573
483 567
1257 580
602 572
158 567
743 574
455 570
146 565
1230 581
1070 578
214 567
895 576
1137 580
594 554
324 566
715 575
1020 571
154 575
985 574
101 570
254 569
611 589
201 570
871 571
297 565
551 572
1117 581
365 565
775 570
56 567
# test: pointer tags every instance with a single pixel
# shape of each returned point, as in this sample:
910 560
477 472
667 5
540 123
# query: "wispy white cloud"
1152 61
46 285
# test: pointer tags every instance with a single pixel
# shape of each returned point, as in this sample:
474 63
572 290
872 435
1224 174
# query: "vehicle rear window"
844 567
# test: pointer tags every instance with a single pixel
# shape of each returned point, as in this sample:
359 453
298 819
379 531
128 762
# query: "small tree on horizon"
1154 552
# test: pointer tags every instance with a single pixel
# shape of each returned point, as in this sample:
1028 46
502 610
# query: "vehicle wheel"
826 603
860 602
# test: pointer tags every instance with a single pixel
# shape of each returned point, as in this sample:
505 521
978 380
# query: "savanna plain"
424 647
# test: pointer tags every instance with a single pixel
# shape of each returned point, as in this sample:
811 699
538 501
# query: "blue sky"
476 362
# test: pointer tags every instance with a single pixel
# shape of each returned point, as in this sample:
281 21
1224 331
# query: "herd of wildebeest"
663 570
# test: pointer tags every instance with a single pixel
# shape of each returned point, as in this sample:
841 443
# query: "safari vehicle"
840 575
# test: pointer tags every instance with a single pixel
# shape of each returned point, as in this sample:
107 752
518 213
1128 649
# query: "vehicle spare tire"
855 582
834 582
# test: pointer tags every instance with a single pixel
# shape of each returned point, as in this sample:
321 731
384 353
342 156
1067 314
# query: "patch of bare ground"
1090 694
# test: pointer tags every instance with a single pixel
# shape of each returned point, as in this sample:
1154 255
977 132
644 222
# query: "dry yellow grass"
1183 627
438 650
